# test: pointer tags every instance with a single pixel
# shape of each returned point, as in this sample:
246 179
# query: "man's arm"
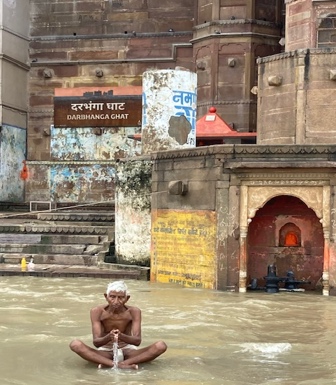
99 338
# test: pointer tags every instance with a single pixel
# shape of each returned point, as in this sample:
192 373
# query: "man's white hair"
118 286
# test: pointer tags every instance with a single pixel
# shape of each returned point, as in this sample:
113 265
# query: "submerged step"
60 271
42 248
70 238
56 259
32 238
19 238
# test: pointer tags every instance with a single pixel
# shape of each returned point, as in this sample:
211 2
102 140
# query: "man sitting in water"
117 322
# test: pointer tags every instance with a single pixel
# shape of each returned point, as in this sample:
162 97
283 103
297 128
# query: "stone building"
103 45
242 207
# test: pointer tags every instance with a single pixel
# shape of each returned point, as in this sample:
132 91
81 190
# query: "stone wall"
305 24
217 213
235 35
14 37
194 214
98 43
133 211
293 89
299 25
71 182
12 152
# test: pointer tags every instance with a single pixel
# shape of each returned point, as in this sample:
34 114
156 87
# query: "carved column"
326 233
301 97
242 239
243 260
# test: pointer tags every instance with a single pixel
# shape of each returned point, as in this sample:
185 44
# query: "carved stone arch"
258 196
255 194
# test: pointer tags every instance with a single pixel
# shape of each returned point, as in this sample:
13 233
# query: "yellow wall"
183 247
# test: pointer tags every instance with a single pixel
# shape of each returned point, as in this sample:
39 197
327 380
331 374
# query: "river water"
213 337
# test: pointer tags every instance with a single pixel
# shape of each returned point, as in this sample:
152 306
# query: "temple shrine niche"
292 239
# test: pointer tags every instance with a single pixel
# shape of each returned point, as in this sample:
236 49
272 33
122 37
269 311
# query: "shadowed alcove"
287 233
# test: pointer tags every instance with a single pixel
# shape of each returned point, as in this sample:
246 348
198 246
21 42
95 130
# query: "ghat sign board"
108 111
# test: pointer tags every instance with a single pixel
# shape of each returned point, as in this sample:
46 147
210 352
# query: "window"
326 32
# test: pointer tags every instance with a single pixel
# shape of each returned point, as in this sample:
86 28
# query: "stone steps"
55 228
22 238
61 271
66 238
81 216
58 259
63 238
66 243
68 249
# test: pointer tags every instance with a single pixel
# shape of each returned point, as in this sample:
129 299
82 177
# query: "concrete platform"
57 271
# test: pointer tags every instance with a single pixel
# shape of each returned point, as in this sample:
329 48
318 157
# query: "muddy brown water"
213 337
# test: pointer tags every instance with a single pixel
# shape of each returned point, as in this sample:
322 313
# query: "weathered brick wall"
71 181
94 44
208 203
91 17
299 25
91 43
303 20
12 151
14 67
194 214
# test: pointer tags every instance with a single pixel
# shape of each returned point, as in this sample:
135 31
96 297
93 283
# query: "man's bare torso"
121 320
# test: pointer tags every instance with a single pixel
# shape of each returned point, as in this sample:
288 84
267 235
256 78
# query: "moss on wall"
133 182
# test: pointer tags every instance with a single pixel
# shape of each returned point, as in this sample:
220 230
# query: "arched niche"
287 233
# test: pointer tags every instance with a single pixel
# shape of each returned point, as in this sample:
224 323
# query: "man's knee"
76 345
160 346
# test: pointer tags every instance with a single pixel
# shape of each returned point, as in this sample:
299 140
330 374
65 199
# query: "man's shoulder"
133 309
98 309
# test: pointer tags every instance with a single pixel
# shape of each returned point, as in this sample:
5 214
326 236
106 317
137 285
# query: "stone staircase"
77 238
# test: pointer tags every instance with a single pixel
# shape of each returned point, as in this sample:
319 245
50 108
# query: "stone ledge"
55 271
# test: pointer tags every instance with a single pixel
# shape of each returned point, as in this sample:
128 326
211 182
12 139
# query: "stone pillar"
326 257
243 235
326 197
169 110
222 199
332 241
301 98
132 213
243 261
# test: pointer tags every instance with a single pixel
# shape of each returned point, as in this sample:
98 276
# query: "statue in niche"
291 239
290 235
